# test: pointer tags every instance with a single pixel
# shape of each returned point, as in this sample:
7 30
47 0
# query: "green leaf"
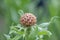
7 36
20 32
17 37
45 32
53 19
43 25
12 31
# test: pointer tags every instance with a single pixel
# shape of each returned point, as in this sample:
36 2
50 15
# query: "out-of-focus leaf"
45 32
7 36
12 31
20 12
17 37
43 25
20 32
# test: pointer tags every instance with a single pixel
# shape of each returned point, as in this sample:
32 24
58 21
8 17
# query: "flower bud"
28 19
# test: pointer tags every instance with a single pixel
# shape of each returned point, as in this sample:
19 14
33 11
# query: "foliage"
35 33
21 33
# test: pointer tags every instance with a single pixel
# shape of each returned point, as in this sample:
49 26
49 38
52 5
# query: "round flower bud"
28 19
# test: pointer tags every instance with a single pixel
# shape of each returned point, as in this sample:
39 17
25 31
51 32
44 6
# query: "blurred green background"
43 9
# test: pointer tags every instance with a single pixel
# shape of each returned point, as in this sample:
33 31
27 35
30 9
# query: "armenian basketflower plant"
28 29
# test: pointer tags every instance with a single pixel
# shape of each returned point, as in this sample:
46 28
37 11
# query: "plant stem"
27 33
